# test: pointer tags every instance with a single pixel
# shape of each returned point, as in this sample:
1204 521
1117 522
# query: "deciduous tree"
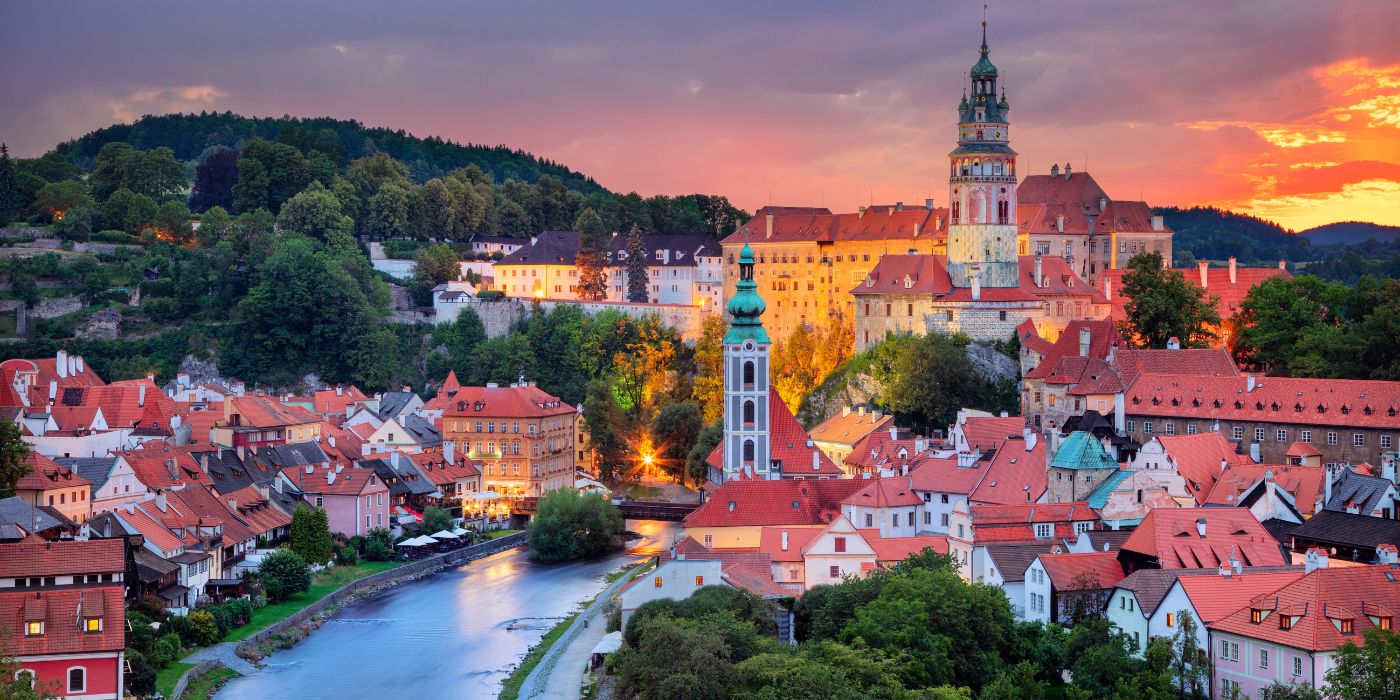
1371 670
571 525
14 457
316 213
214 179
435 264
57 199
1163 305
284 574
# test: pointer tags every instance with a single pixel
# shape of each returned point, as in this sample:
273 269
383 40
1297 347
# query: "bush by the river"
572 525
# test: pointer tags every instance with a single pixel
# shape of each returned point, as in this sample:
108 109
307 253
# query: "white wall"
91 445
1123 611
1176 601
1037 599
678 581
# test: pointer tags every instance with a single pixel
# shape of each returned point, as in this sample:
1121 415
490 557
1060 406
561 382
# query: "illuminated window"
1171 619
92 624
656 582
33 629
699 581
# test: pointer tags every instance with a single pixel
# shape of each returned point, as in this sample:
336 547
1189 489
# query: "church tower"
747 446
982 186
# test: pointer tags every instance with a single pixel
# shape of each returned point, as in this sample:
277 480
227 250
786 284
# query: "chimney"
785 540
141 394
860 214
1225 571
894 432
916 230
1326 485
1039 271
1386 555
860 410
1316 559
1249 383
61 363
1107 289
1201 527
937 223
1119 413
1388 468
768 222
845 411
1060 223
204 462
160 500
966 459
330 478
1084 338
1254 453
1173 343
1283 265
1203 266
1031 438
394 459
170 467
1054 169
339 391
53 390
928 204
899 206
449 451
241 451
1232 270
78 361
1158 223
1067 171
233 505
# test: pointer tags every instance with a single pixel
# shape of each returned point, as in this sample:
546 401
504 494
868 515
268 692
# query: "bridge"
631 510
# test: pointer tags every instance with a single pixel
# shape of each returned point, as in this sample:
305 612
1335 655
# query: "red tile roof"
122 404
741 503
850 427
506 401
46 474
1304 483
928 274
59 609
35 556
153 530
1201 459
883 222
329 402
885 493
437 470
1172 537
881 450
257 511
1214 597
351 481
153 466
1015 475
201 422
208 508
1070 572
1231 296
1346 403
1302 449
36 375
890 550
1316 599
985 433
984 515
787 443
266 412
770 541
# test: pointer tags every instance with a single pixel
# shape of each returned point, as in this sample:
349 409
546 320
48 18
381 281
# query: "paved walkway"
560 673
223 653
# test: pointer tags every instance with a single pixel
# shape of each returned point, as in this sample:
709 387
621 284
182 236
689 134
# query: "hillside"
1350 233
189 135
1206 233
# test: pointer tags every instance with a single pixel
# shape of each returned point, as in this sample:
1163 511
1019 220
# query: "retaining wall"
190 676
384 579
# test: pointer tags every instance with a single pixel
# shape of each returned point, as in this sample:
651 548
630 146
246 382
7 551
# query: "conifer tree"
592 257
11 201
636 266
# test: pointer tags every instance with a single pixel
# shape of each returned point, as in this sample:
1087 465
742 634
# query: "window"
943 497
1331 438
1305 435
1171 619
77 680
1344 626
869 520
1358 440
1228 688
699 581
656 582
33 629
1044 531
1263 658
367 526
1170 427
1083 527
1281 435
1130 425
1147 427
835 571
25 672
840 544
1258 434
894 520
1237 433
1190 428
709 541
1385 442
945 520
1297 665
92 624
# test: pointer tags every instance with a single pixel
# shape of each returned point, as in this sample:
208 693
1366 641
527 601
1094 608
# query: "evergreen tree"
592 258
214 179
311 535
14 457
11 201
636 267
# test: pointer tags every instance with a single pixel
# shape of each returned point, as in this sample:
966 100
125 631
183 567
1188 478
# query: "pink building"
1290 635
356 501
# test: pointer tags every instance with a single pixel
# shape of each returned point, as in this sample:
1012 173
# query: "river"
456 634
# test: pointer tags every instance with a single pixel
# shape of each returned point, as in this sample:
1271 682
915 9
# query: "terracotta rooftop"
891 492
1345 403
849 427
507 401
744 503
46 474
1194 538
1316 604
1070 572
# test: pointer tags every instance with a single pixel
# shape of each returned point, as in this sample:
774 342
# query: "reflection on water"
453 635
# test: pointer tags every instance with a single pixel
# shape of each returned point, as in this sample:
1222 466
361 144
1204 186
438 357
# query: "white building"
675 579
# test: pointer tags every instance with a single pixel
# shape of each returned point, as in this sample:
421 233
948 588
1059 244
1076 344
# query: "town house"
355 499
523 437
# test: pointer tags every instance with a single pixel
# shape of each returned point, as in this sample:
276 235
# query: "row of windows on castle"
1280 434
461 426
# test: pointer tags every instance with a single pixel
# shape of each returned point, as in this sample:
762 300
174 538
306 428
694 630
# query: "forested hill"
190 135
1206 233
1351 233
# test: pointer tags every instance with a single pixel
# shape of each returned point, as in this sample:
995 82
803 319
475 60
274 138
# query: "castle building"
762 439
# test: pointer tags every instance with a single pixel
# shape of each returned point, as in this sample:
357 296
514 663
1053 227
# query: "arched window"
748 374
748 413
748 451
25 673
77 680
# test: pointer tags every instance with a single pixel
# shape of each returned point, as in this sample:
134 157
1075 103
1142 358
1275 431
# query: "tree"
389 212
11 200
154 173
705 442
435 264
675 430
128 211
1163 305
284 574
14 457
1289 691
571 525
594 244
1014 683
1371 670
676 660
311 535
636 267
17 686
707 388
214 226
805 358
173 219
25 287
317 214
368 175
604 418
269 174
437 519
438 212
214 179
204 629
1190 665
90 277
932 378
57 199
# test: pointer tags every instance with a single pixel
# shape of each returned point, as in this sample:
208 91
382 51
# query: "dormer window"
34 629
92 625
1344 626
1257 616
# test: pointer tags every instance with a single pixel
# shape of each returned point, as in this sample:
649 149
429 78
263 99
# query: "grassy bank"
203 688
323 583
167 677
496 534
510 689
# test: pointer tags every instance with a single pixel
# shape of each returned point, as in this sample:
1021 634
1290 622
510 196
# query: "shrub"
181 627
284 574
347 556
141 679
204 627
571 525
162 309
358 542
165 649
376 550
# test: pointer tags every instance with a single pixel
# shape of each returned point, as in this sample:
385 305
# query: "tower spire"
984 30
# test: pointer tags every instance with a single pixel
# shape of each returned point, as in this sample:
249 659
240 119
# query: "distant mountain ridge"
189 135
1207 233
1350 233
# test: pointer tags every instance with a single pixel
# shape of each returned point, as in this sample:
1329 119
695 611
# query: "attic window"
795 505
1239 405
1216 403
1346 409
1257 616
732 505
1285 622
1258 405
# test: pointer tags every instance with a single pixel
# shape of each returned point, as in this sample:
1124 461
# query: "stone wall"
191 676
384 579
53 308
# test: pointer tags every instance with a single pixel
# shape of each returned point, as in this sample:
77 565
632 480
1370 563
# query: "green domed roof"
746 306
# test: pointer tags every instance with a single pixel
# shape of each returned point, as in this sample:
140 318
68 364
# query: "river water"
456 634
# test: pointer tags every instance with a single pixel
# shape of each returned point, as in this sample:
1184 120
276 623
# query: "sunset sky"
1288 110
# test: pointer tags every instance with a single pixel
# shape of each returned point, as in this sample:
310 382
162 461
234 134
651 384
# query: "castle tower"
746 361
982 185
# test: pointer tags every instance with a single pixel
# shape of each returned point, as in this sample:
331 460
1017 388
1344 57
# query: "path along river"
456 634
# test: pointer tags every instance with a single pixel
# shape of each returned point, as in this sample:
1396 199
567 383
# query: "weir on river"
456 634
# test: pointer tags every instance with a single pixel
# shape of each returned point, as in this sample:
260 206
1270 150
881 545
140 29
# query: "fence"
392 577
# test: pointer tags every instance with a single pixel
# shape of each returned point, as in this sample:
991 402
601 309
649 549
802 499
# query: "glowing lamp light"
539 293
